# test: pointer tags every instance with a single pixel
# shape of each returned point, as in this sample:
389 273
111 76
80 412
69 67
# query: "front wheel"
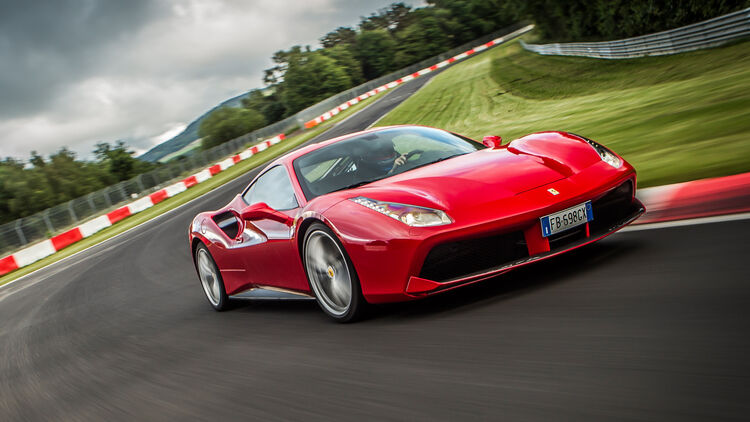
332 276
210 277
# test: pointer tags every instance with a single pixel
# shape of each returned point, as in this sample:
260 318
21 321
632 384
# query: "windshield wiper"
358 184
437 161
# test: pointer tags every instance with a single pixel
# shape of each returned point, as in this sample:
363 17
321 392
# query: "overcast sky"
77 72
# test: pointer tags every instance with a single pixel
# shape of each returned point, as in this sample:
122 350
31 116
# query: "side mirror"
262 211
492 141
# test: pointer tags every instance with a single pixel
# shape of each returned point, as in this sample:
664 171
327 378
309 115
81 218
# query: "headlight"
408 214
606 155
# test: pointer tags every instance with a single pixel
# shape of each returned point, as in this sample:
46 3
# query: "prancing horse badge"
553 191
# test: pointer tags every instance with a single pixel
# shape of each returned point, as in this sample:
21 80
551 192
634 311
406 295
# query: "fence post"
123 192
19 232
90 200
73 215
47 222
140 183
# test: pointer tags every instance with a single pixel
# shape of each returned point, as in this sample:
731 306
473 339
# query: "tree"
392 18
268 103
423 39
344 58
310 78
342 35
375 50
227 123
275 74
118 160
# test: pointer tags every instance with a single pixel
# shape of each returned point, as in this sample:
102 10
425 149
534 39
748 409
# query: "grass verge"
675 118
196 191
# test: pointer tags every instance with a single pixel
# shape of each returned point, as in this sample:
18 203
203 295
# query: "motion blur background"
101 101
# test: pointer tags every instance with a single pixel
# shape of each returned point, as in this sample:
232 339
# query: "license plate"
565 219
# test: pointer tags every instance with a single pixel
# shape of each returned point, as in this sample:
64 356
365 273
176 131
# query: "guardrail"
709 33
62 218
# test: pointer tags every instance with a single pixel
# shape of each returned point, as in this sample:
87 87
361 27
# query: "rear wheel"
210 277
331 275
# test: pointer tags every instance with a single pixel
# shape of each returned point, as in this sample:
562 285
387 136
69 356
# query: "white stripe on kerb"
229 162
173 190
202 175
92 226
140 205
34 253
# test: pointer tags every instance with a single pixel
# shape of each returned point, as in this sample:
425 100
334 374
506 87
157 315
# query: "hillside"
187 136
675 118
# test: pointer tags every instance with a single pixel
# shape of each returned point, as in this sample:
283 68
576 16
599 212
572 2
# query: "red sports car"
404 212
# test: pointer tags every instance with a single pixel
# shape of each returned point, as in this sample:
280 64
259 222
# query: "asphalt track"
644 325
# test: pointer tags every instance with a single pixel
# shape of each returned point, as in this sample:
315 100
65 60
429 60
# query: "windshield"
376 155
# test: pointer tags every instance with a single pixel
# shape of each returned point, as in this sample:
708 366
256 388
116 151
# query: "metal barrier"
43 225
699 35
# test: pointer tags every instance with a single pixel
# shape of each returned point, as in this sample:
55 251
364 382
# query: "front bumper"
395 262
569 240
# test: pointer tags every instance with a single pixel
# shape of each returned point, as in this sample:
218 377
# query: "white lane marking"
688 222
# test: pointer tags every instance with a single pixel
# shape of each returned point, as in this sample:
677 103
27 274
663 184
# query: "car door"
277 263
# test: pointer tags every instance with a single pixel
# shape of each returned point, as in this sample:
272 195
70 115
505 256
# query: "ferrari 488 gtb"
405 212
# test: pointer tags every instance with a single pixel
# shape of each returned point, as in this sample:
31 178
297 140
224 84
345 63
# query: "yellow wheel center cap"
330 272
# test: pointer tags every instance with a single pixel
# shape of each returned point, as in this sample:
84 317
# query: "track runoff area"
649 323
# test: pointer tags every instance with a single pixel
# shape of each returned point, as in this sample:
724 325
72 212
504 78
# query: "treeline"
594 20
26 188
385 41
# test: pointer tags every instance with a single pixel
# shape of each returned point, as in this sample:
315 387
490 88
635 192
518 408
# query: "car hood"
467 181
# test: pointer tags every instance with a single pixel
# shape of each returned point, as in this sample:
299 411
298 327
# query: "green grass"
675 118
198 190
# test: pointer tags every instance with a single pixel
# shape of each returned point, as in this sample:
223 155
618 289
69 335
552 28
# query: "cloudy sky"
77 72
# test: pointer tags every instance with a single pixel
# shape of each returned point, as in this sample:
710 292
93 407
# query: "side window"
274 188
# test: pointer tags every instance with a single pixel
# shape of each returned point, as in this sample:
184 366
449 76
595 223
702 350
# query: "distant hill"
187 136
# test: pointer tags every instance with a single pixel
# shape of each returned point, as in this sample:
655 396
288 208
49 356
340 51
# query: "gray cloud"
76 72
45 44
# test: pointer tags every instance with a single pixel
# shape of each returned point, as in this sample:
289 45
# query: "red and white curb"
48 247
696 199
497 41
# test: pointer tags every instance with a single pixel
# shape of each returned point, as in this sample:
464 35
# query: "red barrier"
189 182
161 195
7 265
118 214
65 239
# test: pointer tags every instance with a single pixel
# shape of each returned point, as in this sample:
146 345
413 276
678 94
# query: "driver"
381 158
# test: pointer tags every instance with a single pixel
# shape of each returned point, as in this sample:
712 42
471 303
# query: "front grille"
472 256
612 208
560 240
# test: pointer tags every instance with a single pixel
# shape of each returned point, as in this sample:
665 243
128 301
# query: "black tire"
318 235
214 289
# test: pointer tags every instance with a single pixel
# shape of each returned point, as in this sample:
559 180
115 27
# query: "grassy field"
675 118
198 190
